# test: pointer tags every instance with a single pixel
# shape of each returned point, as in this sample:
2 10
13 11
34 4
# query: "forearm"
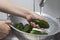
11 8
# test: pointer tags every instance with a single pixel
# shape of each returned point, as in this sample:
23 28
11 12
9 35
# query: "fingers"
28 17
33 24
8 22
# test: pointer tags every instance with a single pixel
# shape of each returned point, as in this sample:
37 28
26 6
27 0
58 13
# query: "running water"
41 5
41 9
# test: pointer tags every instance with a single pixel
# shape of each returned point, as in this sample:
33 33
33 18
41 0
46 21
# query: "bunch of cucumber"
28 28
41 23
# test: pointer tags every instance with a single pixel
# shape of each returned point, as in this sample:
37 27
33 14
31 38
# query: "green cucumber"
41 23
19 26
27 28
38 32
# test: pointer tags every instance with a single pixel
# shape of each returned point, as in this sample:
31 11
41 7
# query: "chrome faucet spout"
42 3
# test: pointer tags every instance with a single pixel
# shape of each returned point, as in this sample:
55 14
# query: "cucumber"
27 28
19 26
38 32
41 23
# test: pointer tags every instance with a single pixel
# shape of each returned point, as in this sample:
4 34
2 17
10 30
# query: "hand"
34 16
4 28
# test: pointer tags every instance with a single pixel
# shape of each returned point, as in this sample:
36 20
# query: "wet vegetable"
38 32
41 23
27 28
19 26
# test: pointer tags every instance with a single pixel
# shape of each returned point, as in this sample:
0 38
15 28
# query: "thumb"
8 21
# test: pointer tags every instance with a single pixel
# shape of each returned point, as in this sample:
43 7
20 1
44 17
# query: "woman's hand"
32 17
4 28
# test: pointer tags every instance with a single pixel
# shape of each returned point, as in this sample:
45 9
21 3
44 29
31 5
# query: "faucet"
41 5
